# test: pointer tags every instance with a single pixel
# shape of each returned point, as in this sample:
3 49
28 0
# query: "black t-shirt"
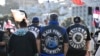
52 39
78 35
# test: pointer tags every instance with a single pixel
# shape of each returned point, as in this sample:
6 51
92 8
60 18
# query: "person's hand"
87 53
2 43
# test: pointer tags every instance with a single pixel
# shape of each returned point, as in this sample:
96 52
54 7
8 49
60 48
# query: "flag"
96 18
78 2
18 16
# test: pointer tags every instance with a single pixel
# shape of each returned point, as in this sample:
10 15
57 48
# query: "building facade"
86 13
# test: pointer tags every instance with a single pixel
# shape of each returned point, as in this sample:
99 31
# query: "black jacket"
78 36
34 29
22 43
52 39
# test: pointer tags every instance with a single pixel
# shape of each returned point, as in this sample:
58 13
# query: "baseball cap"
35 20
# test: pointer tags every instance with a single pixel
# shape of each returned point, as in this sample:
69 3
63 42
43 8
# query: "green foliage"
67 22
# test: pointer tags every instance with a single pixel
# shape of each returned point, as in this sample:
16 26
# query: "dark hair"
77 19
23 12
53 17
23 23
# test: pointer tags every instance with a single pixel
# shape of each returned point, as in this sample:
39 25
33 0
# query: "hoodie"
21 32
22 43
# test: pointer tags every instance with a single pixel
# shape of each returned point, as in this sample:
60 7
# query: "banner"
96 18
78 2
18 16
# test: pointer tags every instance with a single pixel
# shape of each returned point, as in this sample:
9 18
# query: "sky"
2 2
41 1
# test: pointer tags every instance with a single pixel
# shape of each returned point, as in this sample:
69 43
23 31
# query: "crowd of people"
49 40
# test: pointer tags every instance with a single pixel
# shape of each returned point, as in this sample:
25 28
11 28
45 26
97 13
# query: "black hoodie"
22 43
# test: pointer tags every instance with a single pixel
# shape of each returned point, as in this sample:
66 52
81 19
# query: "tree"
67 22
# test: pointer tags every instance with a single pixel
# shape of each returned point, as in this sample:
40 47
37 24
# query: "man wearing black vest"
34 27
52 39
79 39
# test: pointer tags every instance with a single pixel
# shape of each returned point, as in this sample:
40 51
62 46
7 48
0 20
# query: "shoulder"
29 25
61 29
85 27
29 33
64 29
42 27
2 32
71 26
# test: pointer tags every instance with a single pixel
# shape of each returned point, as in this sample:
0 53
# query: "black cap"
77 19
35 20
53 17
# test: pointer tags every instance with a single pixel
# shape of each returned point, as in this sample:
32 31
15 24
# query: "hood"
21 31
53 22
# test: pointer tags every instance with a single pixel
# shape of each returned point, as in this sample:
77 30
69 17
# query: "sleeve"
88 35
39 35
65 37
